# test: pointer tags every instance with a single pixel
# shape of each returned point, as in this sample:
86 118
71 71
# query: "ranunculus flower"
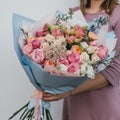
102 52
76 48
48 62
92 35
73 67
37 55
74 57
27 49
84 57
63 61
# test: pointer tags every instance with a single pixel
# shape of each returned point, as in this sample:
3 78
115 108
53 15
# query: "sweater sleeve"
112 72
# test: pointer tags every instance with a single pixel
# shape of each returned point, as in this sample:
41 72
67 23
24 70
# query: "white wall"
15 88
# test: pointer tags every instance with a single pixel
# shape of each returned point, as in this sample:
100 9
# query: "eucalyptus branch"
64 17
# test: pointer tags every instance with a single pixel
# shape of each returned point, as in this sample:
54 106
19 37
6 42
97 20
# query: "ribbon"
37 95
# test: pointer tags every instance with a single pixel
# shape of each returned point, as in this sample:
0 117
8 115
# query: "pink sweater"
104 103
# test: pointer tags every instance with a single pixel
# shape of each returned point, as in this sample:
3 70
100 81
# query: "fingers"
49 97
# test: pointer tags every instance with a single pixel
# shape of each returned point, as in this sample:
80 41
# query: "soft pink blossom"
102 52
93 43
74 57
79 32
70 39
27 49
57 32
37 55
63 61
73 67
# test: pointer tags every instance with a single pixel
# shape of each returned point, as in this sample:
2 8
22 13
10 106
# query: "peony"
37 55
27 49
102 52
84 57
73 67
74 57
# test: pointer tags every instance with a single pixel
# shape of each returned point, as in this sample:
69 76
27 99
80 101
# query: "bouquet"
60 42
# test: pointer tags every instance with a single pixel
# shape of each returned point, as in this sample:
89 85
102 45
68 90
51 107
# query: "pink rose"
38 55
102 52
93 43
63 61
57 32
27 49
74 57
73 67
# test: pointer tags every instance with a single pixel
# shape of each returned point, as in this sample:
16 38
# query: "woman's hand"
51 97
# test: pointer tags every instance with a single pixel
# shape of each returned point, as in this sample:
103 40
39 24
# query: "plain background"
15 88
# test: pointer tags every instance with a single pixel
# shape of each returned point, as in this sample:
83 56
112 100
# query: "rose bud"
35 43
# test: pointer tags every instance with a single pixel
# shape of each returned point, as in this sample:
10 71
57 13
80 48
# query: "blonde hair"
107 5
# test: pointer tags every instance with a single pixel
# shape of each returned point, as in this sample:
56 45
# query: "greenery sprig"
64 17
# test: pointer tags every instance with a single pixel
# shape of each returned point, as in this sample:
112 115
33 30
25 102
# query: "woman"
99 98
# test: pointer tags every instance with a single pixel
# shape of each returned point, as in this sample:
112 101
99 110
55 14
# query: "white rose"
91 49
84 57
83 69
95 58
62 67
90 72
84 45
50 38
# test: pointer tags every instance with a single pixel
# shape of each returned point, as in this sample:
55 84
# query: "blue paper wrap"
36 74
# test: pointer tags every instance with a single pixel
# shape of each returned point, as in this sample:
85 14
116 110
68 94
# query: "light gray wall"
15 88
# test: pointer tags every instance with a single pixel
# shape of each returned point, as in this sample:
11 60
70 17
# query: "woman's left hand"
51 97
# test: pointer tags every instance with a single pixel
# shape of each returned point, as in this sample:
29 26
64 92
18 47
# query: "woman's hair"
107 5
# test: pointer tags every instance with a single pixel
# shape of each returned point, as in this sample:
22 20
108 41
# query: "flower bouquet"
61 43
